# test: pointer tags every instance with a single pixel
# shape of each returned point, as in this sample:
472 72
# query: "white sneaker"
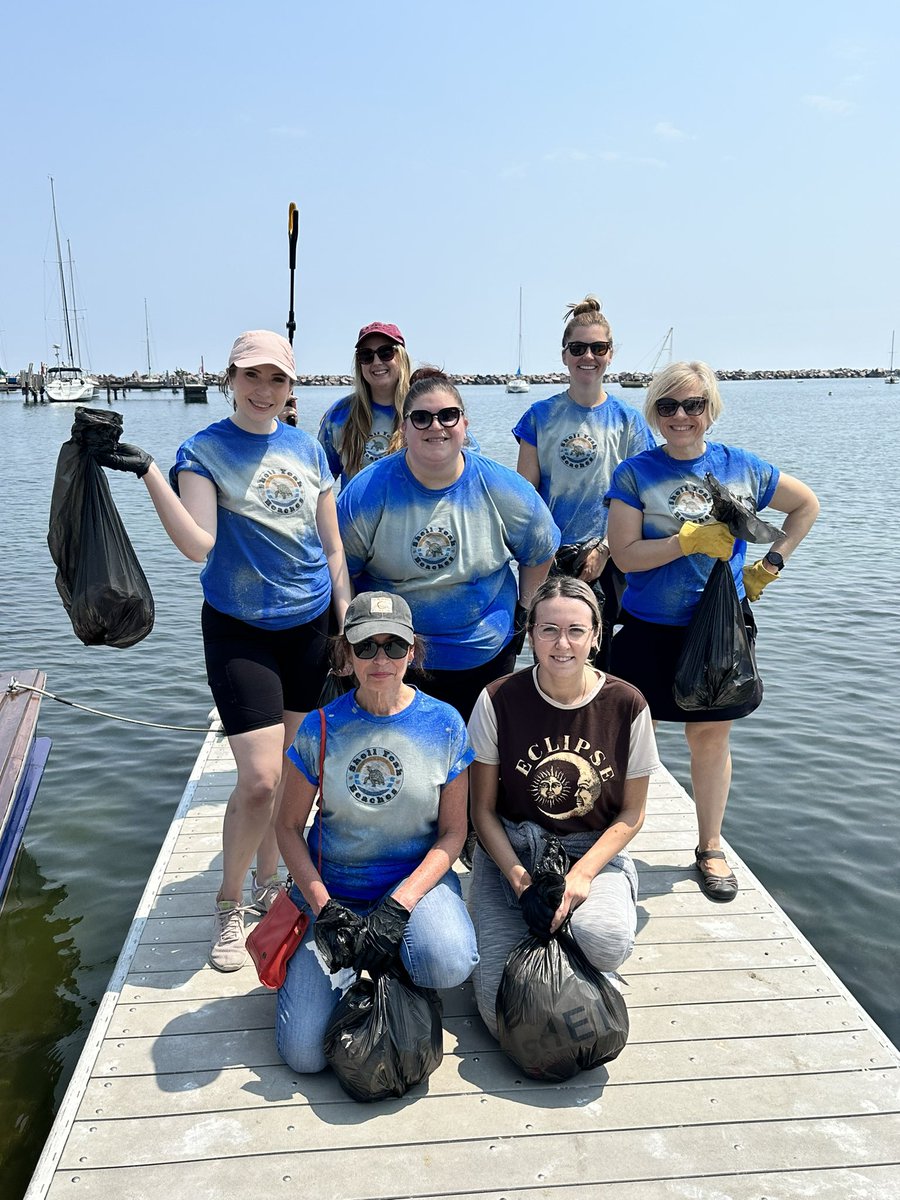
264 894
227 951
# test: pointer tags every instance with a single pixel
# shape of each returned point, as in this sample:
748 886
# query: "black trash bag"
385 1036
558 1015
334 687
741 520
547 888
716 667
570 559
98 576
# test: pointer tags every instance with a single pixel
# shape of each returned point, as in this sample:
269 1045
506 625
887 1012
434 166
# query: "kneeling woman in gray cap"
374 871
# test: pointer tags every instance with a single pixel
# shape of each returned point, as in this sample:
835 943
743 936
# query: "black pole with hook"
292 262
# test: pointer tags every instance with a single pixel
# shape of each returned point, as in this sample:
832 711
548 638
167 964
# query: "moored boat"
518 382
22 760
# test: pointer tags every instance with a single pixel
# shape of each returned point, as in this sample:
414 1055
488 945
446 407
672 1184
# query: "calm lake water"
813 808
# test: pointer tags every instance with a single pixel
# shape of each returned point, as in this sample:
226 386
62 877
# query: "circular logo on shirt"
377 446
565 786
374 776
691 502
280 491
578 450
433 548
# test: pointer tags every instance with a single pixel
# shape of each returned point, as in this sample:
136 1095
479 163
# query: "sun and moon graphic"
565 786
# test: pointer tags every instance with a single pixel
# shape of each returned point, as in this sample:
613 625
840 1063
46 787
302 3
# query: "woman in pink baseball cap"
252 499
363 427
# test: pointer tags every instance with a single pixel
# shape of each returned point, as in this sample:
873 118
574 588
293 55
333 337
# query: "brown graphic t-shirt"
565 767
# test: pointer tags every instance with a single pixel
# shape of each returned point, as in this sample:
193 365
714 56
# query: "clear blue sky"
727 169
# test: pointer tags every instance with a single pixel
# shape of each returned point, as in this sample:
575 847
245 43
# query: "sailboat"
519 383
891 376
638 380
66 383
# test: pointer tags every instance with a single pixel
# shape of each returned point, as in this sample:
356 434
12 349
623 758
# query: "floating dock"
751 1073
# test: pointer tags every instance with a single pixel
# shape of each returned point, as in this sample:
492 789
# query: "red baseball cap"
390 331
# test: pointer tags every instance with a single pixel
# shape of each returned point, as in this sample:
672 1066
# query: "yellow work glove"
714 539
755 579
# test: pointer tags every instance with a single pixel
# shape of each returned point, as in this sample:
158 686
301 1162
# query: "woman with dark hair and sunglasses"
662 536
374 871
569 446
359 429
560 749
442 527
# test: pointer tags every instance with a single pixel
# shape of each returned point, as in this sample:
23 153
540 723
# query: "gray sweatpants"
604 925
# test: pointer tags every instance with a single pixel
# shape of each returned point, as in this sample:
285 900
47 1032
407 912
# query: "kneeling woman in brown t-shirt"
560 748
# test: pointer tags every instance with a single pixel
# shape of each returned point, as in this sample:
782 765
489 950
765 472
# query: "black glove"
339 934
540 901
126 458
384 933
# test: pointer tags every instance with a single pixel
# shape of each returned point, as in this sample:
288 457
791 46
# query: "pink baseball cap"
390 331
259 346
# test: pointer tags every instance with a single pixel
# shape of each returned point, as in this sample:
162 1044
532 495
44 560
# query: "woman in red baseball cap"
359 429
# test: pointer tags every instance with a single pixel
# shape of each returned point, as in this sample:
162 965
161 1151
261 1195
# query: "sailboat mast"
62 280
519 371
147 329
74 305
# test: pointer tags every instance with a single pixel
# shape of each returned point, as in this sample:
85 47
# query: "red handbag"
275 938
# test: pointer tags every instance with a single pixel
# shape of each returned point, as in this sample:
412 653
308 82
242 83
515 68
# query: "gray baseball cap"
372 613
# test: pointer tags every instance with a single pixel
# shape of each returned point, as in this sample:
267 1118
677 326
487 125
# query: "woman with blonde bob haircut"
662 535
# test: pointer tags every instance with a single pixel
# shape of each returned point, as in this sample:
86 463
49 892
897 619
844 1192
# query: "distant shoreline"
634 377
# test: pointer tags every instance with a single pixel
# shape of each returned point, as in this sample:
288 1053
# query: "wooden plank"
268 1129
562 1160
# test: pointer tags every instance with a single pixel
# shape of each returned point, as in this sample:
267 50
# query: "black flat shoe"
718 887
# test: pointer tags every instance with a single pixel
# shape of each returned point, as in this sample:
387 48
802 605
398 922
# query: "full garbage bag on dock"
556 1013
385 1036
717 667
98 576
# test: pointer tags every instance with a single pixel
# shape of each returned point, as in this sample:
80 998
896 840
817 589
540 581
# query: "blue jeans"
438 951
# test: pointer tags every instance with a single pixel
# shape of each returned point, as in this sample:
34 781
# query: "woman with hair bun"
569 446
441 526
359 428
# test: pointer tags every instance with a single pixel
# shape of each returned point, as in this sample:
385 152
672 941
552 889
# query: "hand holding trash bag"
541 899
756 578
338 934
714 539
126 457
98 576
382 937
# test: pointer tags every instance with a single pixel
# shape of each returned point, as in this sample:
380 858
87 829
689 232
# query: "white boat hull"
70 391
518 385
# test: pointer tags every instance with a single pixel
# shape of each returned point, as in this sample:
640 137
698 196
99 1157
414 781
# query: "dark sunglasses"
384 353
394 648
578 349
693 406
446 417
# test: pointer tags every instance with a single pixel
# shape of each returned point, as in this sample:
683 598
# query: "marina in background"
813 810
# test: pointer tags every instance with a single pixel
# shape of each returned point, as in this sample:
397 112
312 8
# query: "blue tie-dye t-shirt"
267 566
670 491
578 449
383 780
447 551
334 422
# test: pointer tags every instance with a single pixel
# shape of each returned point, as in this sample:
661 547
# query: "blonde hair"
358 428
585 312
680 375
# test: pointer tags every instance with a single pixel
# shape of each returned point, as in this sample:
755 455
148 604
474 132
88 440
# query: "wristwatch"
774 559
